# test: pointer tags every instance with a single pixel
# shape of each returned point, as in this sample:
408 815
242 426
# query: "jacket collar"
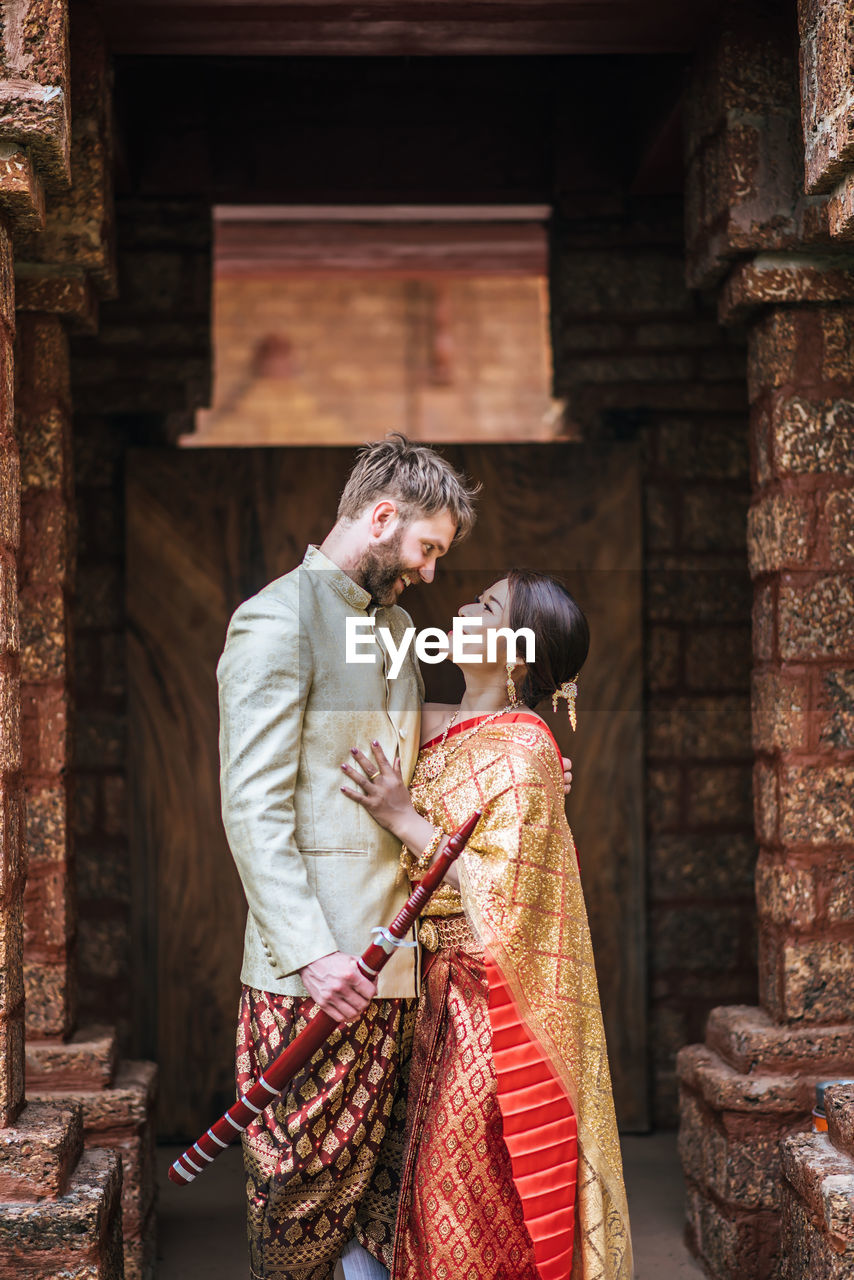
357 597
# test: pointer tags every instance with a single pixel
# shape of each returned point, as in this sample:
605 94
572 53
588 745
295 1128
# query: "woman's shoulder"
531 730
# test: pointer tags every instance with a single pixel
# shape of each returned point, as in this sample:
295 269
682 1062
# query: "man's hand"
567 775
336 983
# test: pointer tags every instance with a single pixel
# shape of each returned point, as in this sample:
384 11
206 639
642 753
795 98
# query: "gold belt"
446 901
448 933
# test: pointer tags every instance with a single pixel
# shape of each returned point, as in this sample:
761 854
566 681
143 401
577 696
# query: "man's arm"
264 679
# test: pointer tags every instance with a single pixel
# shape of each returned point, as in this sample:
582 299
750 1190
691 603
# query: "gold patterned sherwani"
317 871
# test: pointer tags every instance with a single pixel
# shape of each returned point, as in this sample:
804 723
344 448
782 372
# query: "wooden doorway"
206 529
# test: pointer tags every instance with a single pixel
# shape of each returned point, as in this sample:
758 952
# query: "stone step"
76 1236
120 1117
87 1061
839 1108
757 1093
750 1041
823 1179
125 1102
39 1153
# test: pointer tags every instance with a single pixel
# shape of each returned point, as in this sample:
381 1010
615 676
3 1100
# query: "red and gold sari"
513 1167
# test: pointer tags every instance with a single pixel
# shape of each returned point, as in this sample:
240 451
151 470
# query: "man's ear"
383 517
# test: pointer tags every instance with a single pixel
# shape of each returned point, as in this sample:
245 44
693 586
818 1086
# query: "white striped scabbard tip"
182 1172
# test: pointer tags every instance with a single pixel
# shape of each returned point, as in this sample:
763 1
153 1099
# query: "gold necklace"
432 769
430 774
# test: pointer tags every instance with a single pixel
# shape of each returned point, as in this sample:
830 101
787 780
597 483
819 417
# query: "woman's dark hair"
562 636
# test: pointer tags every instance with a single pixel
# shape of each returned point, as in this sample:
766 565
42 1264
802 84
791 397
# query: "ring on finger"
371 776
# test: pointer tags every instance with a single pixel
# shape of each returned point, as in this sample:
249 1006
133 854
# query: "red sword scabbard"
319 1027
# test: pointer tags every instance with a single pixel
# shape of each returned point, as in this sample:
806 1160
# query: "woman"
513 1167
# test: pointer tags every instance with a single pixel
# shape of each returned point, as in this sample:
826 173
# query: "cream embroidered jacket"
317 871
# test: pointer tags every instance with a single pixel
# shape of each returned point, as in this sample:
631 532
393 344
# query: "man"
317 872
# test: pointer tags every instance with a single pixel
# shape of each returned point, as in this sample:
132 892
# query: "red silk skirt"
488 1187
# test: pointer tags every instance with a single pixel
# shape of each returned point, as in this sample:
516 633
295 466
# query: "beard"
380 568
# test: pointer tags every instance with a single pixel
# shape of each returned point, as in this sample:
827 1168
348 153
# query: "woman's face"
493 607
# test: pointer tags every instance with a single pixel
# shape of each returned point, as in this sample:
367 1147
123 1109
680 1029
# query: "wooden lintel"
411 27
261 248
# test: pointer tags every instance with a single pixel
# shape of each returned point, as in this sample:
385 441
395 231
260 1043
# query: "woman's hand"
382 789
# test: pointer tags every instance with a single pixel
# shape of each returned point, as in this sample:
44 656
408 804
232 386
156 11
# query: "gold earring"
512 696
568 690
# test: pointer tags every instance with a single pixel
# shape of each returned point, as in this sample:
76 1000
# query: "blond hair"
421 482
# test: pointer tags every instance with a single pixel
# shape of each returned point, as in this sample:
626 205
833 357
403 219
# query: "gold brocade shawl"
522 893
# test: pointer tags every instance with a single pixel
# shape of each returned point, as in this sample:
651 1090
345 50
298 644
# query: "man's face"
407 554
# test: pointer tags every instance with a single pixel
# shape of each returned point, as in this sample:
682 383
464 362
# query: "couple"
470 1133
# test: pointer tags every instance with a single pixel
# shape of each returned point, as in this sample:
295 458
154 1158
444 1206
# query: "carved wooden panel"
207 528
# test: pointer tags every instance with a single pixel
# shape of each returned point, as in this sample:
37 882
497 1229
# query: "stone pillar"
43 412
33 151
753 1081
58 1209
66 1064
827 87
62 272
751 226
801 543
818 1169
12 846
59 1206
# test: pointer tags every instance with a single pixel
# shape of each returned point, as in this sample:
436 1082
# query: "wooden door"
206 529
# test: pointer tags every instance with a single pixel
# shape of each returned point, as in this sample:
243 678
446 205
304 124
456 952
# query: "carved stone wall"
751 226
84 1109
59 1204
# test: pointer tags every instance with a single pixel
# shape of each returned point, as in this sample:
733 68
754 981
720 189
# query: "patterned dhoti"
312 1158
